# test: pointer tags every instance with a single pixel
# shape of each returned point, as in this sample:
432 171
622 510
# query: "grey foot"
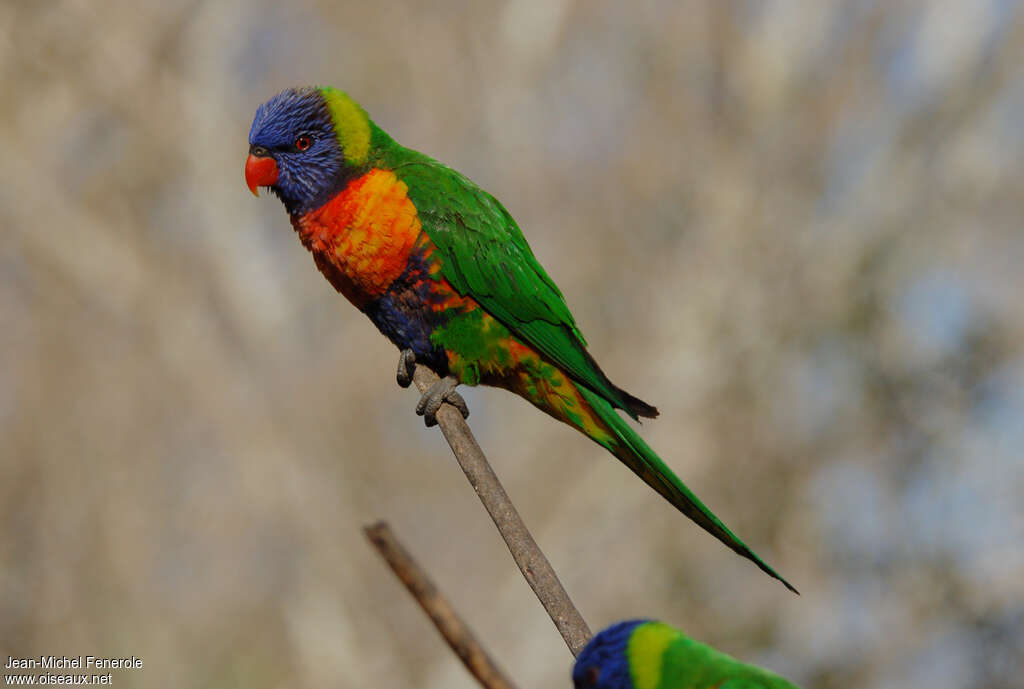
406 367
437 394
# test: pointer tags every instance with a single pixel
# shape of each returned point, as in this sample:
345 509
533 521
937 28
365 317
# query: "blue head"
604 662
305 144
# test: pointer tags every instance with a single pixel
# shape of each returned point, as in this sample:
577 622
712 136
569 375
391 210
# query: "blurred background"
795 227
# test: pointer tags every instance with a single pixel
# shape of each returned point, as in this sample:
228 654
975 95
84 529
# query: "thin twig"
452 628
528 556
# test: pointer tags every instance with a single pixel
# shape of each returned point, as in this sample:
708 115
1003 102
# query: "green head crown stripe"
645 649
351 124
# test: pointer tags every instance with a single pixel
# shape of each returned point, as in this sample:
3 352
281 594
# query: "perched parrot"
644 654
442 269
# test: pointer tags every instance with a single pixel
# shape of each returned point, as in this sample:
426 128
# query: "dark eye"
592 674
303 142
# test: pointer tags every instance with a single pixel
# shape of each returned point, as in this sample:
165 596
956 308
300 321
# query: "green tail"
645 463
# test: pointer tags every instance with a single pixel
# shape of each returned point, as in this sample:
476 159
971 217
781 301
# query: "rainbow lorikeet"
644 654
442 269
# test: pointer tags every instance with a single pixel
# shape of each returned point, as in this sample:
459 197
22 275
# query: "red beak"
260 172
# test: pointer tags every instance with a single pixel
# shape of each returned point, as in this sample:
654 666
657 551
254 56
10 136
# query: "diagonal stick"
528 556
452 628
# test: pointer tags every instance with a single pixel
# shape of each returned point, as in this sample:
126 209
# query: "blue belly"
405 315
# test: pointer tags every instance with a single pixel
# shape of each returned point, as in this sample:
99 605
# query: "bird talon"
437 394
455 399
406 368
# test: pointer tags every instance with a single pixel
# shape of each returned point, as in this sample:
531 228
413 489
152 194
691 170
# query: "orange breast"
361 239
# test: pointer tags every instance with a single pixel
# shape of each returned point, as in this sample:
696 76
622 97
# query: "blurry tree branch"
452 628
528 556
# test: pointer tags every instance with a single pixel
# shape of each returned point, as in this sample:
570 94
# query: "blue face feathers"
603 663
307 176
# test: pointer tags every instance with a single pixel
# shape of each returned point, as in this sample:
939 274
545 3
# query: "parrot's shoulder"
443 191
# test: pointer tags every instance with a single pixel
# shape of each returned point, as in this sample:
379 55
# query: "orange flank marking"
552 391
517 367
361 239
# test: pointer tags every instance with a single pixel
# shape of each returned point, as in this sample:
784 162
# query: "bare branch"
528 556
452 628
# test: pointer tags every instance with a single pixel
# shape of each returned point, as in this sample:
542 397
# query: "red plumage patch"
361 238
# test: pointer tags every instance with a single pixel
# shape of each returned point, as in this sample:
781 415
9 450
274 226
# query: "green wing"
485 256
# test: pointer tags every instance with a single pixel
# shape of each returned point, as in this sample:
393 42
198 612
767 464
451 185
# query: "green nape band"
351 124
645 650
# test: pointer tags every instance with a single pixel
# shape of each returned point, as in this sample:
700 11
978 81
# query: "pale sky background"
795 227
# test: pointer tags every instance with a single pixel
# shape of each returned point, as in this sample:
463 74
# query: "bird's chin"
291 205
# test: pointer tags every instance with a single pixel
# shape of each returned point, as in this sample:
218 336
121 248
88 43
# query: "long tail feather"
645 463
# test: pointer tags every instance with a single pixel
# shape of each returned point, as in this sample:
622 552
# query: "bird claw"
437 394
406 367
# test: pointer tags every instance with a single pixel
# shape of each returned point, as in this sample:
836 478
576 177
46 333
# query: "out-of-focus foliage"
796 227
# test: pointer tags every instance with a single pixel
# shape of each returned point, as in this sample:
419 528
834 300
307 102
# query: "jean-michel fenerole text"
63 662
